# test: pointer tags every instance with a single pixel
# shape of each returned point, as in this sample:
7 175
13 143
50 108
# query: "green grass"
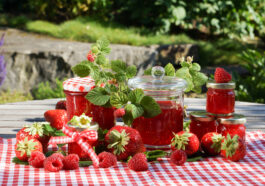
84 29
13 96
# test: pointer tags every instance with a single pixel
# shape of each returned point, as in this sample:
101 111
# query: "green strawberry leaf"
183 73
193 159
199 79
169 70
150 106
118 99
101 134
82 69
195 67
136 96
186 125
18 161
185 64
85 163
127 118
136 111
121 77
48 130
131 71
103 45
148 72
153 155
98 96
100 59
118 66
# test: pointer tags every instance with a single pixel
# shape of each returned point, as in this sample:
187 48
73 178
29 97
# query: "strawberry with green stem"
185 141
211 143
234 148
123 141
24 148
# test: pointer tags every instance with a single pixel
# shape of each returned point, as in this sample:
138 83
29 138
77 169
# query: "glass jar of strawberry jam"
202 123
157 131
234 125
220 98
75 90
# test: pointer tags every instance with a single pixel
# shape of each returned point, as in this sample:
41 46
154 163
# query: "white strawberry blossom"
82 121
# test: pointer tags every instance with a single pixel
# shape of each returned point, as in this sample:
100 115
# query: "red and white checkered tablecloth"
210 171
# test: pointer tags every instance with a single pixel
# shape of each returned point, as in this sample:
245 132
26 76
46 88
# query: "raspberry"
138 162
119 113
178 157
71 162
90 57
61 105
106 159
58 155
36 159
53 164
222 76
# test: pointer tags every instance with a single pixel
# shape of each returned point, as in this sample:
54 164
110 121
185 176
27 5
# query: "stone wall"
31 58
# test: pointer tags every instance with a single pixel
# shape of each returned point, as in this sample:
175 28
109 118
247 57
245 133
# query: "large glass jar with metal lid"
157 132
234 125
220 98
202 123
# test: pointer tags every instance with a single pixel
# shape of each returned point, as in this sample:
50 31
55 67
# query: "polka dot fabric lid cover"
79 84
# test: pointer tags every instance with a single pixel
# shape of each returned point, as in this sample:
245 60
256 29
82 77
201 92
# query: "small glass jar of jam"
202 123
75 90
220 98
157 132
74 148
234 125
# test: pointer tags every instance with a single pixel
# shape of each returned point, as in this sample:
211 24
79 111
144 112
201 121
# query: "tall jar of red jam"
234 125
202 123
75 90
157 132
220 98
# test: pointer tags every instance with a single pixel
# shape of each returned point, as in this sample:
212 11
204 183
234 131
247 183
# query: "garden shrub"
252 87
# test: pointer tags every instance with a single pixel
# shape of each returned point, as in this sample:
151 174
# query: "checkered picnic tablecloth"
210 171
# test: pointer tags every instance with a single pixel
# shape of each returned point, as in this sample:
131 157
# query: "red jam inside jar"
159 129
220 98
167 91
234 126
75 90
202 123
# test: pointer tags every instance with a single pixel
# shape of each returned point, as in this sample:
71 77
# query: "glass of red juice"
158 131
220 98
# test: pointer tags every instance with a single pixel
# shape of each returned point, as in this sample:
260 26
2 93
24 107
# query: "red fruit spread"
234 125
75 90
202 123
220 98
159 129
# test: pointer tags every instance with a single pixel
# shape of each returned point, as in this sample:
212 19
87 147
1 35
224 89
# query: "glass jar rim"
229 85
234 120
201 116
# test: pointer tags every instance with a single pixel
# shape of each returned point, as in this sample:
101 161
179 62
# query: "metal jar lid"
201 116
230 85
220 115
234 120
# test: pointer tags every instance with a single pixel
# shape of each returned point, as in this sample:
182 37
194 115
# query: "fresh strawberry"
123 141
222 76
138 162
61 105
107 159
119 113
178 157
57 118
211 143
23 148
34 131
234 148
186 141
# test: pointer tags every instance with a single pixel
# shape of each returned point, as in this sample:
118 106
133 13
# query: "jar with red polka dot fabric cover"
75 90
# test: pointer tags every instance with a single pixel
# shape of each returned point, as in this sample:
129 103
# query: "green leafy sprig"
189 71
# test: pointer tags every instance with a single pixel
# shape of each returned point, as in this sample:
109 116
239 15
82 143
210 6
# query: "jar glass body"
77 104
200 128
157 132
232 129
220 101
